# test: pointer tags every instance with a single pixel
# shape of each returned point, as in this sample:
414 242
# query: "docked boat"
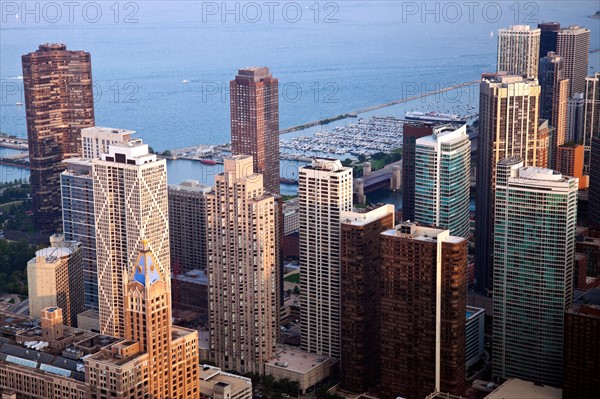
208 162
185 81
285 180
434 117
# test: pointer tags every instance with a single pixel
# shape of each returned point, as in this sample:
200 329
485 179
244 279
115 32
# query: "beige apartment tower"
55 279
573 44
508 127
96 139
242 268
518 51
130 202
325 191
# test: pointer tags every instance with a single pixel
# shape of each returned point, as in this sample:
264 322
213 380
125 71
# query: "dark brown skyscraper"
412 132
255 122
360 271
581 352
59 102
423 311
594 194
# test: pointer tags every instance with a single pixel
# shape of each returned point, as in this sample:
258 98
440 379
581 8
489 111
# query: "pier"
355 113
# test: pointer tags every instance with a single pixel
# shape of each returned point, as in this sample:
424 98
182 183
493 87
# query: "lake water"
330 58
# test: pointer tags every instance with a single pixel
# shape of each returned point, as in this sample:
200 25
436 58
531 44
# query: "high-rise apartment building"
423 312
534 254
573 44
59 102
569 162
360 274
156 359
255 121
508 127
554 97
594 183
591 116
324 191
548 37
411 132
130 202
187 225
79 224
55 278
95 140
243 269
443 179
518 51
581 354
575 113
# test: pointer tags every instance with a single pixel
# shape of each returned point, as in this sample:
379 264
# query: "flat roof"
296 360
515 388
211 376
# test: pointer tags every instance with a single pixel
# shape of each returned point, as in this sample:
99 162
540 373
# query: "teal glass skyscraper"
442 179
534 249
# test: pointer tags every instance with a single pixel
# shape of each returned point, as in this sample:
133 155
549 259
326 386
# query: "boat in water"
434 117
285 180
208 162
185 81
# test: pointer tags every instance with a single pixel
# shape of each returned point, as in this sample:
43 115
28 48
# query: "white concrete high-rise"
518 50
534 249
95 140
243 268
325 190
130 203
443 179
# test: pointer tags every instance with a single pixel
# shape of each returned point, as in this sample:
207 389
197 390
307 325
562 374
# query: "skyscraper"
591 116
423 310
548 37
55 278
518 51
575 113
324 191
508 126
534 249
156 359
581 354
360 274
130 202
59 102
443 179
243 271
411 132
79 222
95 140
569 162
255 121
187 225
594 192
554 100
573 44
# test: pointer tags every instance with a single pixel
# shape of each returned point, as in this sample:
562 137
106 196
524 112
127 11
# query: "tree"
296 290
166 153
347 162
362 158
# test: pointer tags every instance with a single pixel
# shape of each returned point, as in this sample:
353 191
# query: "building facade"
475 335
255 122
554 101
518 50
591 117
594 192
581 353
95 140
130 202
534 237
423 308
187 225
77 197
575 113
324 191
508 126
443 179
411 132
548 37
360 271
55 278
243 269
569 162
573 44
59 102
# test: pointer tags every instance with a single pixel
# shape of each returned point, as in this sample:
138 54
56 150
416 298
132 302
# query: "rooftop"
106 131
195 276
515 388
211 376
587 304
295 359
362 219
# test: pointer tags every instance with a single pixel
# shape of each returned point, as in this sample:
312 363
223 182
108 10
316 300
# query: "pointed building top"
146 272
